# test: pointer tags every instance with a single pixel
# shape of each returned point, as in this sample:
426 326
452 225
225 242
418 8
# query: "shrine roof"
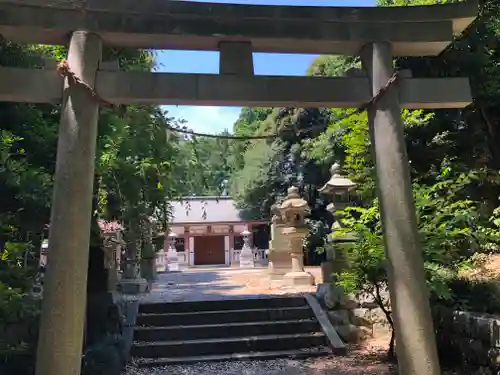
205 210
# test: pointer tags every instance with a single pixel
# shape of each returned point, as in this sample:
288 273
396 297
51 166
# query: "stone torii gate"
236 31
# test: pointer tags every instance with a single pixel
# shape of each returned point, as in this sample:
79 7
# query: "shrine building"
208 231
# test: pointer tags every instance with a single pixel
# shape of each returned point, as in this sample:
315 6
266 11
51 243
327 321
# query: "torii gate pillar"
63 311
416 352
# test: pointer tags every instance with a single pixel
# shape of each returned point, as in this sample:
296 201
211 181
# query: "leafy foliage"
107 357
141 167
454 163
452 233
18 311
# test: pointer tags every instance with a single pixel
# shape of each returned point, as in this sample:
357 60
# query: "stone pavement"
220 283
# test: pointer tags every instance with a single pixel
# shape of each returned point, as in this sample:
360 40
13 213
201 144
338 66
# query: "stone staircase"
187 332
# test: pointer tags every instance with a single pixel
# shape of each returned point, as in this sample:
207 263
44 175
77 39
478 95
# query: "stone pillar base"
247 264
334 296
173 267
299 278
278 274
148 268
247 259
133 286
172 261
112 279
322 291
160 262
280 263
327 270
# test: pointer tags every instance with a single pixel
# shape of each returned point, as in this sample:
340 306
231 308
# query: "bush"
19 312
481 296
453 233
106 357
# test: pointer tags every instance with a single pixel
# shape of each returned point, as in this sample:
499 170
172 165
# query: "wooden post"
236 58
63 311
415 339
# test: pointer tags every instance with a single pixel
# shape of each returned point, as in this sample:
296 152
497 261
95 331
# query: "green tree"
136 163
452 232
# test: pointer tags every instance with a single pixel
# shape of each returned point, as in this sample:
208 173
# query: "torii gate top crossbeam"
168 24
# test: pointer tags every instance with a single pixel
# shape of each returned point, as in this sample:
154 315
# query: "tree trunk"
391 352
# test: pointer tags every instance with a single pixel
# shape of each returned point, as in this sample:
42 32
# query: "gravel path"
366 360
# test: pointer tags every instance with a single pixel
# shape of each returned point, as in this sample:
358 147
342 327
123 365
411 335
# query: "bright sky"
216 119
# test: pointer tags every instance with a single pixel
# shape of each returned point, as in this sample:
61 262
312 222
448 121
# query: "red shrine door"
209 250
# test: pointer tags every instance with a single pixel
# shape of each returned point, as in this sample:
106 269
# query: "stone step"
202 347
220 305
224 316
191 332
292 354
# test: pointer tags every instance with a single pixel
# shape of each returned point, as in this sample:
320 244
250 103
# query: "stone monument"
161 265
247 259
148 253
338 186
293 211
172 256
279 258
131 282
113 243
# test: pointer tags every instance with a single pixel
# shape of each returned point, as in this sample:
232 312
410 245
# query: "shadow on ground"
215 284
360 361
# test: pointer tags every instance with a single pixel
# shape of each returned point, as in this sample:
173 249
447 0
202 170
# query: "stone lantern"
247 259
131 282
112 248
293 212
338 186
147 251
172 256
161 261
279 254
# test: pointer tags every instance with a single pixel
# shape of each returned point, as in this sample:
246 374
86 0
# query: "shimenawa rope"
64 69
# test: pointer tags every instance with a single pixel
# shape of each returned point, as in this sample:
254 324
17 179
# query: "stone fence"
468 339
354 317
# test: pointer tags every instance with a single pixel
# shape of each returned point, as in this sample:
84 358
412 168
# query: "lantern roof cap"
337 184
293 200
